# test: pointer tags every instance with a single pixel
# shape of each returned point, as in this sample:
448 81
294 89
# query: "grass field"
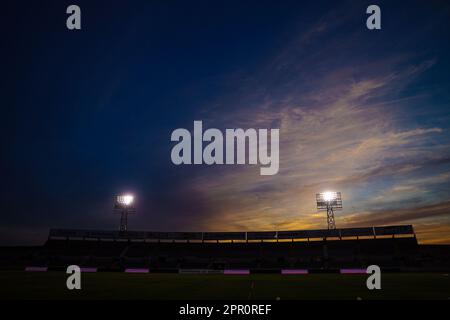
52 285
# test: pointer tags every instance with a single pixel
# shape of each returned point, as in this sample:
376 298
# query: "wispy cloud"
399 216
339 129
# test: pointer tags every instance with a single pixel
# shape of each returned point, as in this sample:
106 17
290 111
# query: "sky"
88 114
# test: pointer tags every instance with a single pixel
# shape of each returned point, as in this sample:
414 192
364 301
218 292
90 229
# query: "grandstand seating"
114 251
322 255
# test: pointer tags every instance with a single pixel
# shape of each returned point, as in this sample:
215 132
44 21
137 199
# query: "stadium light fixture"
124 205
329 201
329 196
125 200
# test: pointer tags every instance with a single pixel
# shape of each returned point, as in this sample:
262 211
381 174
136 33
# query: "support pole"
330 218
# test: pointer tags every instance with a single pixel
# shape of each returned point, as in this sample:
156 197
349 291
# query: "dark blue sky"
88 114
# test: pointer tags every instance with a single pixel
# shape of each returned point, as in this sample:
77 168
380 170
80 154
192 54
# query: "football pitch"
52 285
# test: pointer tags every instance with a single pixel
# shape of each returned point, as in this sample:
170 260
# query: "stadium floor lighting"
36 269
137 270
88 269
294 271
242 272
353 271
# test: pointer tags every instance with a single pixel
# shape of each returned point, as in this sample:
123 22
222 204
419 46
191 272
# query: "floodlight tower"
124 206
329 201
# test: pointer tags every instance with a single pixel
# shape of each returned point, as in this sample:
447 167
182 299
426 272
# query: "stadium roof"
244 236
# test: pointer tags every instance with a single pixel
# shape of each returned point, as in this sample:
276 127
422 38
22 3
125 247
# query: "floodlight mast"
124 206
329 201
330 218
124 221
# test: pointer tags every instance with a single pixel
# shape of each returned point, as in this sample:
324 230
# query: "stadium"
225 150
392 248
301 264
171 265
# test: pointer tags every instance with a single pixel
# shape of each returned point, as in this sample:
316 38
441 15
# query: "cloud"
399 216
339 129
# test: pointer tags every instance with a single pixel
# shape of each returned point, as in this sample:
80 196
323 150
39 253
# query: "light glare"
329 196
125 200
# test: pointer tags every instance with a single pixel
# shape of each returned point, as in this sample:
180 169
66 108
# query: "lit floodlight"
329 196
124 206
125 200
329 201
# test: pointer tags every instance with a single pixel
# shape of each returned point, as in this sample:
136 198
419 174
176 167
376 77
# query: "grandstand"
391 247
